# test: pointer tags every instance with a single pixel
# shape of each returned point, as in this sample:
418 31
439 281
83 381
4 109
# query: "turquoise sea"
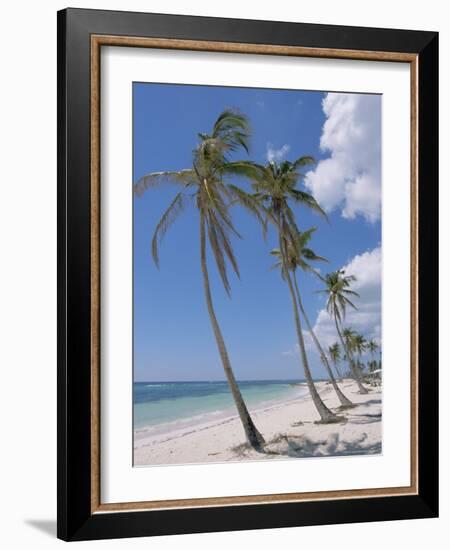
161 407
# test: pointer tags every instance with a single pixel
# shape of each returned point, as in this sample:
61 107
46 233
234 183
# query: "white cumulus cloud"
350 178
276 155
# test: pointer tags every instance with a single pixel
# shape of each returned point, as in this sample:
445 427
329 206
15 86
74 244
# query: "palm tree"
360 346
350 339
300 255
356 344
338 292
373 365
334 352
203 183
372 347
275 187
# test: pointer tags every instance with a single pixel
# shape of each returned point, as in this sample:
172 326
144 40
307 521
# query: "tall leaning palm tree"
275 189
301 256
338 292
334 351
203 183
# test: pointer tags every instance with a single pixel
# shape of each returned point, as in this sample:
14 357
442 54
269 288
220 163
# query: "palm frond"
291 228
249 202
184 177
280 264
277 265
167 219
276 252
347 279
351 304
224 241
311 269
312 256
352 292
305 199
221 209
232 129
229 118
218 255
303 161
322 291
245 168
306 235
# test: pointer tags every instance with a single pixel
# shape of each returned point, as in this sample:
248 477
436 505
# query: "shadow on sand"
303 447
331 444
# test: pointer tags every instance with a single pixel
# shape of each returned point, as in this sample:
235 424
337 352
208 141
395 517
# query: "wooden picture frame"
81 35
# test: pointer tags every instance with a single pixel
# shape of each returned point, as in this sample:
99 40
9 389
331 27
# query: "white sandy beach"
290 430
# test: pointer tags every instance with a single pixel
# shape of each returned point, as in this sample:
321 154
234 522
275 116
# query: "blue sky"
173 339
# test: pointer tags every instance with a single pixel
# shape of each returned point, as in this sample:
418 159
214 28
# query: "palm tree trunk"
355 373
253 436
325 414
338 372
345 402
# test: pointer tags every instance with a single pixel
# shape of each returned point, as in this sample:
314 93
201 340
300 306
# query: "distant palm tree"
275 188
203 183
350 341
338 292
334 352
360 346
373 365
300 256
372 347
350 338
360 343
356 344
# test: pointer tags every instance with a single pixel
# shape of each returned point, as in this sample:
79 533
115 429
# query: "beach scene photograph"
257 274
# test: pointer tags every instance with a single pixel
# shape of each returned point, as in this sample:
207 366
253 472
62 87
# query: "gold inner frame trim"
97 41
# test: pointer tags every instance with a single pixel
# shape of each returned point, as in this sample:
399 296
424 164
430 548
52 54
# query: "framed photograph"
247 254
